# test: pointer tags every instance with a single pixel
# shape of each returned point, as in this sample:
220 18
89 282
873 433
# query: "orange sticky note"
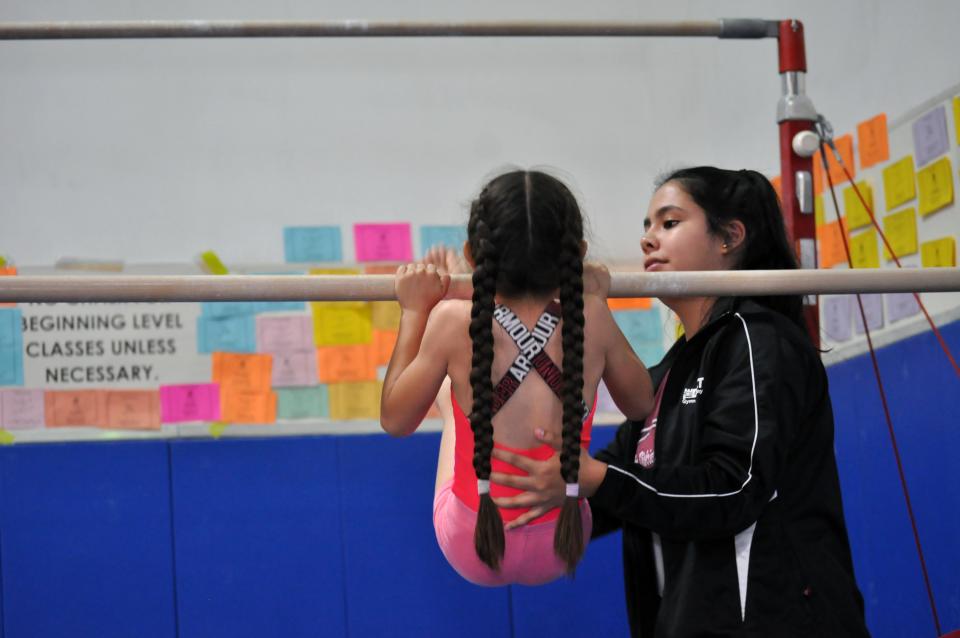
355 400
242 372
131 409
819 182
238 406
64 408
630 303
873 141
383 344
830 245
381 269
845 148
336 364
7 271
777 184
939 253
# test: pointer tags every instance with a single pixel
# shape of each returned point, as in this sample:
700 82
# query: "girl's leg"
448 438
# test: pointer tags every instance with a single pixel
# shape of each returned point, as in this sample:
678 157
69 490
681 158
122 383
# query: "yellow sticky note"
956 117
355 400
935 183
939 253
3 261
901 231
217 428
899 182
337 323
679 329
6 438
385 315
863 250
819 212
213 263
334 271
857 214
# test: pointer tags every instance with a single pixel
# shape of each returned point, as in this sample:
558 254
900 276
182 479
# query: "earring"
724 247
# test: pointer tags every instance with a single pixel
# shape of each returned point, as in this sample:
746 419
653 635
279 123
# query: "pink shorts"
528 558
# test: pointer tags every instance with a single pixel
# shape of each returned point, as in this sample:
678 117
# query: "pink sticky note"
190 402
294 368
21 409
836 317
283 334
872 308
383 242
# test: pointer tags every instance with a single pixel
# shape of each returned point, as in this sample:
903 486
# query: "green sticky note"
217 428
213 263
6 438
303 403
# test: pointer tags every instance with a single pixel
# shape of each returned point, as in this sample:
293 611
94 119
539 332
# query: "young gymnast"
525 242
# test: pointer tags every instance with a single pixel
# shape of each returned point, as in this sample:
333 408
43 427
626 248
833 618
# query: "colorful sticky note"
901 305
383 242
6 438
640 325
355 400
3 261
863 250
383 343
230 334
956 118
190 402
131 409
63 408
217 428
242 372
873 141
836 322
900 229
939 253
294 368
239 406
21 409
385 315
844 146
830 250
303 403
872 309
777 184
380 269
283 334
605 402
858 215
630 303
11 346
930 135
899 182
334 271
312 243
222 309
213 264
935 183
819 181
450 236
819 212
346 363
341 322
279 306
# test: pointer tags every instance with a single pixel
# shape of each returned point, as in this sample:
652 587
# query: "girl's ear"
735 235
583 248
468 255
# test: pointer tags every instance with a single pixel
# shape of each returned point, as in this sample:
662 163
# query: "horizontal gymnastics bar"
120 288
726 28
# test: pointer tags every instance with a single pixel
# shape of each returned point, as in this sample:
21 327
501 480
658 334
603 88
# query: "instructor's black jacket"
744 491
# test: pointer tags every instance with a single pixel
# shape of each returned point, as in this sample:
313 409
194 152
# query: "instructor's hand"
543 489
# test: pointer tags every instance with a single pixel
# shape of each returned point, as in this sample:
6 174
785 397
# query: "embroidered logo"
645 455
690 394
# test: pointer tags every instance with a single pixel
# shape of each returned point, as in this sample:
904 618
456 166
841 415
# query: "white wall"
152 151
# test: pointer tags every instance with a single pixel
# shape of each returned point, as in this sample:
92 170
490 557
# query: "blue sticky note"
650 352
930 138
640 325
449 236
227 334
223 309
279 306
312 243
303 403
11 346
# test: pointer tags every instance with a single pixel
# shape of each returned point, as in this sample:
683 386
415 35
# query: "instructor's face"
676 236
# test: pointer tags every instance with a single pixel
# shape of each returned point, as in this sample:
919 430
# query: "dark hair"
748 196
525 234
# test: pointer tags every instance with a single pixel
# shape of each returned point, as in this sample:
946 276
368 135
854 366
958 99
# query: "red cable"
883 394
873 220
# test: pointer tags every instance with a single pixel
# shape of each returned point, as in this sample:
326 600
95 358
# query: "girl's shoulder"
451 312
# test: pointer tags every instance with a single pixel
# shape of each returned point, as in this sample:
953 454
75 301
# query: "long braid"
488 536
568 541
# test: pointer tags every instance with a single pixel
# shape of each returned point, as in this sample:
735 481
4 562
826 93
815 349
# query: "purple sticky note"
872 309
901 305
283 334
930 138
190 402
604 400
21 409
836 317
294 368
383 242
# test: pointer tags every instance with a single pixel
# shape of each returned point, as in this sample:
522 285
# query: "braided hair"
525 234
